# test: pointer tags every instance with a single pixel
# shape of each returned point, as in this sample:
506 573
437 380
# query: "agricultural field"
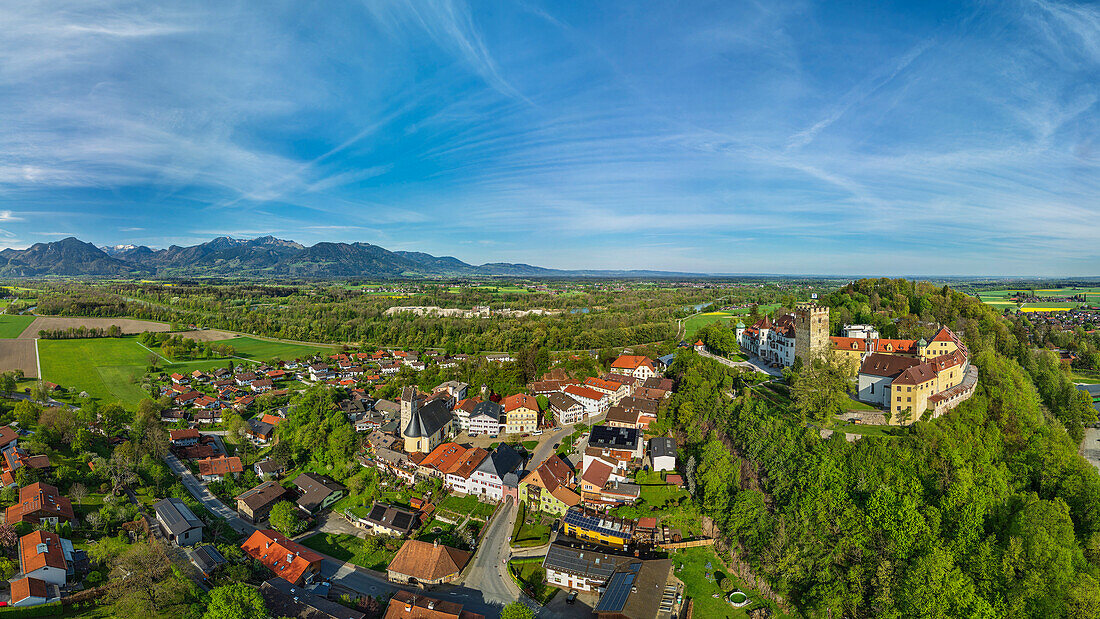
128 325
109 369
999 299
252 348
698 321
18 354
12 326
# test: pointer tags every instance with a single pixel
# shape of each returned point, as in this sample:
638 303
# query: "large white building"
773 342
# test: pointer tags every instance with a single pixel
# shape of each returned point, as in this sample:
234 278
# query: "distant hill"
265 256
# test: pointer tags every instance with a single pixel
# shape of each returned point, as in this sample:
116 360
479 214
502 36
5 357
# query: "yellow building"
599 529
546 488
522 413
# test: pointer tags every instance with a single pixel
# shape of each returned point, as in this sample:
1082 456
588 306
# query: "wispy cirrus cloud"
763 137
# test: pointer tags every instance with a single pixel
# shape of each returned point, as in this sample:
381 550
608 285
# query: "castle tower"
811 330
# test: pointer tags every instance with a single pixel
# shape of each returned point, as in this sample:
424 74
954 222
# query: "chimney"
436 542
431 604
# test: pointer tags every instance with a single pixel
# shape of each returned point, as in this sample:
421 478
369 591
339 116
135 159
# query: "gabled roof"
27 588
520 400
662 446
429 418
7 435
221 465
176 516
551 474
887 366
428 562
501 461
288 559
444 458
391 517
632 362
39 497
41 549
916 375
562 402
315 489
487 408
576 391
597 473
267 493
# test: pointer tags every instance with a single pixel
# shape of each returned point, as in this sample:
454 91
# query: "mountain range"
265 256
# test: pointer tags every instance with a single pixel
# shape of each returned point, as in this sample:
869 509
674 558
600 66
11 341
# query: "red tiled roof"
597 473
179 435
520 400
584 392
39 497
632 362
272 419
288 559
7 435
33 559
28 587
220 466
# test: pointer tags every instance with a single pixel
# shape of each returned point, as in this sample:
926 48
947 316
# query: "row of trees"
81 332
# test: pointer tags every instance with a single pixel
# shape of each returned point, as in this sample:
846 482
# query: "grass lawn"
351 548
856 405
693 324
525 534
467 505
689 565
251 348
444 535
531 577
109 369
12 326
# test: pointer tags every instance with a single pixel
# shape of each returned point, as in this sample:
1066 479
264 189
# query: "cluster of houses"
47 561
202 396
578 489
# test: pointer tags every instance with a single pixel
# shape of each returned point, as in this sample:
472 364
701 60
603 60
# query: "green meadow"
264 350
111 369
13 326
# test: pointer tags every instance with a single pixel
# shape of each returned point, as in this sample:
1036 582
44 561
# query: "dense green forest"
987 511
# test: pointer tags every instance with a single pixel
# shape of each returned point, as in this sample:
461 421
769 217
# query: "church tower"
811 330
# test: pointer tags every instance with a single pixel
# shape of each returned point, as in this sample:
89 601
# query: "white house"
662 453
487 480
772 342
593 401
566 410
41 556
485 418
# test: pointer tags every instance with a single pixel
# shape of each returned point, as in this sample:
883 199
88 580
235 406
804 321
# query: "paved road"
752 364
489 572
204 496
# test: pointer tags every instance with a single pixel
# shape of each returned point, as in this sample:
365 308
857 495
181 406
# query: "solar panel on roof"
377 512
402 520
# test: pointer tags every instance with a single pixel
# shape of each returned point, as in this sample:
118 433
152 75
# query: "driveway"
1090 446
204 496
753 363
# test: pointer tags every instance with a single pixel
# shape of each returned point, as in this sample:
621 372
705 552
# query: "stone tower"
811 330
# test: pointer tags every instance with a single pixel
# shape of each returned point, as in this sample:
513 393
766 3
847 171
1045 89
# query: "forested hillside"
987 511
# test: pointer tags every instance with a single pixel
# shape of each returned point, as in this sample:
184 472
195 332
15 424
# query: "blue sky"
795 137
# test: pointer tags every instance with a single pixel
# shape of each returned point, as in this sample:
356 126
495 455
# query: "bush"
725 585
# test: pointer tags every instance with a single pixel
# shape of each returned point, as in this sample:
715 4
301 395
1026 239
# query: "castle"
905 377
788 337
